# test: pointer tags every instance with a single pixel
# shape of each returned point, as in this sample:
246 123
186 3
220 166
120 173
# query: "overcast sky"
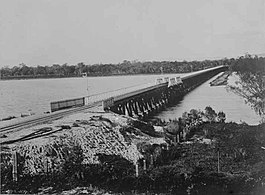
44 32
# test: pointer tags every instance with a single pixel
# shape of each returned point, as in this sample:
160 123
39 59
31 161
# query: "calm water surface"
22 96
219 98
35 95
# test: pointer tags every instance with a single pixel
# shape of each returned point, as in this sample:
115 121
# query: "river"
35 95
219 98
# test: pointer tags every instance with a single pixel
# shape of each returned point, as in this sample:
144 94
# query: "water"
219 98
35 95
22 96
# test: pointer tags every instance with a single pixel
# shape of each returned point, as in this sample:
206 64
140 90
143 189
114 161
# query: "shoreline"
89 76
108 141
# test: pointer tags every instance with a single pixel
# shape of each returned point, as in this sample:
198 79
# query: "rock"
66 126
8 118
75 125
159 129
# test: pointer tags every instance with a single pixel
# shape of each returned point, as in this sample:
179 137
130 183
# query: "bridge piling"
153 98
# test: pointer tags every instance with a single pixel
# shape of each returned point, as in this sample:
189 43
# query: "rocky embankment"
97 153
43 149
221 80
95 133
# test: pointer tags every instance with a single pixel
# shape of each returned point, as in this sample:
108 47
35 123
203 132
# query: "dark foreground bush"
183 169
118 175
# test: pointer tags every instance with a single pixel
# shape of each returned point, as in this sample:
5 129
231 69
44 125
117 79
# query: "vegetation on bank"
125 68
214 157
22 71
251 84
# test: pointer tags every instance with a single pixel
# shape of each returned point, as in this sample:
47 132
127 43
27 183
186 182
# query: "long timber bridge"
133 101
143 101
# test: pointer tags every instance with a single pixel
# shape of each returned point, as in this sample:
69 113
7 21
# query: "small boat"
27 114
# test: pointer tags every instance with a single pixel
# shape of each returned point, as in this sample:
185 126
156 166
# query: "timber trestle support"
142 102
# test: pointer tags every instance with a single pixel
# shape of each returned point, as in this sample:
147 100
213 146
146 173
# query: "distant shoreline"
34 77
58 77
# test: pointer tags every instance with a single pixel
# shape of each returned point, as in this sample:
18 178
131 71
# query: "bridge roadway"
136 100
129 91
141 102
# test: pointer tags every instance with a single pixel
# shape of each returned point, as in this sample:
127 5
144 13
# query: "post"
184 134
14 156
151 160
263 100
108 103
87 85
144 165
136 169
46 165
218 165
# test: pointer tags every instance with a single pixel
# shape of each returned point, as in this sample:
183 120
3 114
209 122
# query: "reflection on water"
20 96
218 98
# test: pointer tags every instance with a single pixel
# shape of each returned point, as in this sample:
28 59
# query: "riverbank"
27 77
221 80
97 150
82 139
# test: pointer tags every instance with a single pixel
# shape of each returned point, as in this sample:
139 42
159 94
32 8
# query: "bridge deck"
95 99
130 91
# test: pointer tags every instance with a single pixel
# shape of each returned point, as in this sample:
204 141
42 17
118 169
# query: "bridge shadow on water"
153 117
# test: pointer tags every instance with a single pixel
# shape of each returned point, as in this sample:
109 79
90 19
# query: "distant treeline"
125 68
248 64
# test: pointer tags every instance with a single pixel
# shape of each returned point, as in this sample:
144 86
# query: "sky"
46 32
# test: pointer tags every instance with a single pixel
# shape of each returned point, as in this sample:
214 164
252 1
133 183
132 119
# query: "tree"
252 88
195 114
221 117
210 114
126 67
56 69
25 70
173 127
80 68
41 70
251 83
